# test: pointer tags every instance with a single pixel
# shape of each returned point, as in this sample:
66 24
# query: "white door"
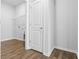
36 26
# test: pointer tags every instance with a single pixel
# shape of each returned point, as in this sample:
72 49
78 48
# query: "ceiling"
13 2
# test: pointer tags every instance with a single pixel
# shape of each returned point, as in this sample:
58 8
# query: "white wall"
66 24
8 13
51 14
48 16
12 17
0 20
52 17
20 27
20 9
20 21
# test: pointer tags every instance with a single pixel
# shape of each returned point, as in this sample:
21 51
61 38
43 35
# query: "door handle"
41 27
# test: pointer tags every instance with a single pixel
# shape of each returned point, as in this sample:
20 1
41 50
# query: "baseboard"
48 53
6 39
21 39
12 39
65 49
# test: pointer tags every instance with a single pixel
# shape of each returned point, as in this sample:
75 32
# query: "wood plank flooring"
14 49
61 54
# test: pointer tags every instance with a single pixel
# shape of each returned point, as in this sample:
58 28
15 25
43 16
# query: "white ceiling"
13 2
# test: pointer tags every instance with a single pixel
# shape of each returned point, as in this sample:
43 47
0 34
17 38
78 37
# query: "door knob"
41 27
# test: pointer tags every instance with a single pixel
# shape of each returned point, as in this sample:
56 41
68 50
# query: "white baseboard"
48 53
19 38
6 39
70 50
12 39
65 49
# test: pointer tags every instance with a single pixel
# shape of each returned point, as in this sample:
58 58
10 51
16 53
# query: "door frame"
27 37
27 32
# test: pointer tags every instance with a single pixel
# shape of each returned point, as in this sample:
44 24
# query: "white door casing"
38 33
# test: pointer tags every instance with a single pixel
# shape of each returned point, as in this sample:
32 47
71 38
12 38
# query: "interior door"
36 26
